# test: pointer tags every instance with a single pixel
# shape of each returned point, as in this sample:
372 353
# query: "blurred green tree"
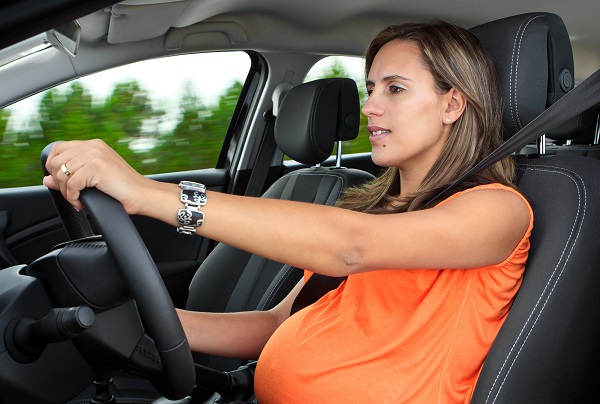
4 115
19 164
128 115
129 121
197 139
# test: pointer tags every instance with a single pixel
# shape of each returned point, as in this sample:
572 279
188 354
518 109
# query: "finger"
52 161
61 165
69 168
84 176
73 199
49 182
62 153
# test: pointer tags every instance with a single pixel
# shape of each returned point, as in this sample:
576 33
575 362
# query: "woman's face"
405 113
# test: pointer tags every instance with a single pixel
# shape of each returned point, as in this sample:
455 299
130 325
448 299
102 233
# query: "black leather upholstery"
548 349
315 116
233 280
533 55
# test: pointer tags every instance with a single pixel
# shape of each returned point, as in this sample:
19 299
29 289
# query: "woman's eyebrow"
389 78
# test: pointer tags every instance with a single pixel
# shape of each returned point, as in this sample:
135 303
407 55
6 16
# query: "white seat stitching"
513 104
551 169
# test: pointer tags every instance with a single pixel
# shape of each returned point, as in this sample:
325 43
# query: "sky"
209 74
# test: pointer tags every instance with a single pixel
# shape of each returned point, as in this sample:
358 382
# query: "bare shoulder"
495 204
496 197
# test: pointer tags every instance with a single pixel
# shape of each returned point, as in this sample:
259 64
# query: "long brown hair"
456 59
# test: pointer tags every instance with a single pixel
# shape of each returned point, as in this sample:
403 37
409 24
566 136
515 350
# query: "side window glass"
354 68
162 115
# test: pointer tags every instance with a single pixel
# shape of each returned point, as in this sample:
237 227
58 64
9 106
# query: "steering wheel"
141 277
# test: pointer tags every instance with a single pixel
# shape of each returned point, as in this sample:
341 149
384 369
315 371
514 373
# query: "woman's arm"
473 230
235 335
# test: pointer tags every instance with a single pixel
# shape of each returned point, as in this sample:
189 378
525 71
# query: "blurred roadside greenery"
129 121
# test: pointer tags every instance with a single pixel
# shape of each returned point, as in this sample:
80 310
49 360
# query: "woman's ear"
455 103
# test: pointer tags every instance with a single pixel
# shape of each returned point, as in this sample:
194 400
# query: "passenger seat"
312 118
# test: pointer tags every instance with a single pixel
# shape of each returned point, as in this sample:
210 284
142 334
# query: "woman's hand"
76 165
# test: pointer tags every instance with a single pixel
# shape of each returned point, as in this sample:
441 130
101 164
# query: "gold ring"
65 170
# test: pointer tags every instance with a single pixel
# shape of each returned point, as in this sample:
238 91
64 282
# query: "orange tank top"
393 336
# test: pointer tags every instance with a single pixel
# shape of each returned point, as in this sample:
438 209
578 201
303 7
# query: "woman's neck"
410 182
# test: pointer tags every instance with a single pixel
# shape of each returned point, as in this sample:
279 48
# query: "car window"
163 115
354 68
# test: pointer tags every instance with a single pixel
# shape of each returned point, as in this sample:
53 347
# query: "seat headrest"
315 115
579 129
534 59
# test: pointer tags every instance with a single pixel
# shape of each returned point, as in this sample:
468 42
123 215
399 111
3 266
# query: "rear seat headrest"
579 129
315 115
534 59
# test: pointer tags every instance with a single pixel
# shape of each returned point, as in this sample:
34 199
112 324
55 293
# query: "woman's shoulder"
489 191
494 212
482 187
494 198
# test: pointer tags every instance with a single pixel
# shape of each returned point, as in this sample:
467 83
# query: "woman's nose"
371 106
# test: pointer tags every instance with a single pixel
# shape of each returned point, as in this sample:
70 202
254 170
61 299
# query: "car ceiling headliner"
323 26
320 27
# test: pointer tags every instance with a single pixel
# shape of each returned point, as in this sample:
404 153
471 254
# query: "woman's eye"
395 89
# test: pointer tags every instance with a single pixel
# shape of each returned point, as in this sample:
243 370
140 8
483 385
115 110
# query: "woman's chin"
379 160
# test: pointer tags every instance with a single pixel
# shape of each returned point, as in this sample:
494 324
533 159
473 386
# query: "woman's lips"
377 135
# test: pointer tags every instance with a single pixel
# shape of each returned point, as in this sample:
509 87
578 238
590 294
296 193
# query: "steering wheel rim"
146 286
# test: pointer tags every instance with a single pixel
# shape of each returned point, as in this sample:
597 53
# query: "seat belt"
258 177
315 288
579 99
260 172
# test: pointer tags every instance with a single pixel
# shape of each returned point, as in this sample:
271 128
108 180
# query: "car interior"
117 278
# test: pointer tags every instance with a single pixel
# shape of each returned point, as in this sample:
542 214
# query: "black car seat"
312 118
548 349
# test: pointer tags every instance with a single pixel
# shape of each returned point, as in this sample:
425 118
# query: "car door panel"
33 228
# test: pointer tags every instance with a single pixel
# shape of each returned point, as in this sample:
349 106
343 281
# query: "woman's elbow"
349 261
